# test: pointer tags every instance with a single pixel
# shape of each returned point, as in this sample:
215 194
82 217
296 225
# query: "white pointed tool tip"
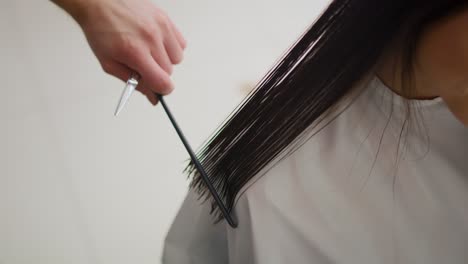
129 89
117 112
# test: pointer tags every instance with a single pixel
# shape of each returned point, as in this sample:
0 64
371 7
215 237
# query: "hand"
130 35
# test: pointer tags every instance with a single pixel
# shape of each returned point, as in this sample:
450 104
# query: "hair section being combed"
335 53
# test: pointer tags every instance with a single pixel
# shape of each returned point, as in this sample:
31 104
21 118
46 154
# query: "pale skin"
131 36
441 65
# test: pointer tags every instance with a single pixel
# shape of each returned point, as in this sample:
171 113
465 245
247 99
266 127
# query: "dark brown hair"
336 52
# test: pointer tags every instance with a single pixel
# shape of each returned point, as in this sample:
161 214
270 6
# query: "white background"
80 186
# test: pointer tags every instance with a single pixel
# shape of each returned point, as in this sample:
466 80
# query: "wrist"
78 9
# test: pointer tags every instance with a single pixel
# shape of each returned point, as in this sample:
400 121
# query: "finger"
180 38
152 74
123 73
150 95
161 57
116 69
173 48
143 86
152 98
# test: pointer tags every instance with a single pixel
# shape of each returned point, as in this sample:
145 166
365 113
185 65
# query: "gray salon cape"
363 190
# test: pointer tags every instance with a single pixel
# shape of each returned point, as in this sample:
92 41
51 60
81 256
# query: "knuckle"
126 46
159 11
150 32
163 23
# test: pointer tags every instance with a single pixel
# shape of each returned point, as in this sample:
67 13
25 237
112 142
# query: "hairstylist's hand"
131 35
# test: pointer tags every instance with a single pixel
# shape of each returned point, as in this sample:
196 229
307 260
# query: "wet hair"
321 68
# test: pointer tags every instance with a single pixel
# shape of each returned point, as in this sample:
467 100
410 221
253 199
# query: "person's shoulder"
327 143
